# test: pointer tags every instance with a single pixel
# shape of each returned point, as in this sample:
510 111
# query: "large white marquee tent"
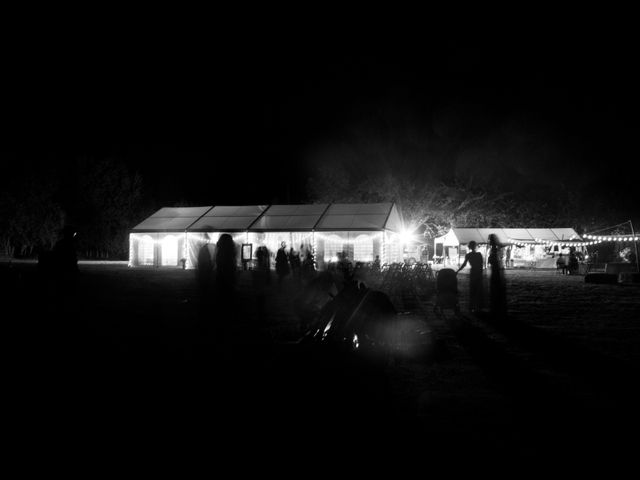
172 237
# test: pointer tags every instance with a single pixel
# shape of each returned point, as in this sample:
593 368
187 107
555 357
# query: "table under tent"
173 237
523 247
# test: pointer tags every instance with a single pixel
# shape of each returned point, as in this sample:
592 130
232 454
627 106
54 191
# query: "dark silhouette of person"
345 266
474 259
261 278
561 263
263 263
497 290
294 262
308 266
375 266
225 272
204 269
282 262
573 265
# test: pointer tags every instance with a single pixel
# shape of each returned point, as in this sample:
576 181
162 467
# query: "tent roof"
228 218
260 218
480 235
290 218
357 216
565 233
171 219
518 234
465 235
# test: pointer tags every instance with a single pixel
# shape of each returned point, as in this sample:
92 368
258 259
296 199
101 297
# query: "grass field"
140 351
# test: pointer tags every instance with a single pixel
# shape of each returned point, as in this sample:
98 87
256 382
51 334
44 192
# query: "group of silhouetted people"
217 265
497 288
568 266
291 262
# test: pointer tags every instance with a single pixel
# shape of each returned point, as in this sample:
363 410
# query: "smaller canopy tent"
160 239
525 245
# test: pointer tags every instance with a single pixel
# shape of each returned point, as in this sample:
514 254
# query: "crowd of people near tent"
568 265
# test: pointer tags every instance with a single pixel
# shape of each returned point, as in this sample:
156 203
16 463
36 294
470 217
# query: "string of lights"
613 238
563 243
567 243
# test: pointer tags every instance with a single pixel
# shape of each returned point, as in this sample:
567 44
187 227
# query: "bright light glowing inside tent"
170 250
407 236
146 250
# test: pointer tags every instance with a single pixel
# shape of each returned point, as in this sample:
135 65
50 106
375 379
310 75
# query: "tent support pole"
635 243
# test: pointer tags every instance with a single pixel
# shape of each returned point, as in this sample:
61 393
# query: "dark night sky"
231 115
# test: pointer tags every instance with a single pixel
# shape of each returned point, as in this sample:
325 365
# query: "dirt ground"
141 356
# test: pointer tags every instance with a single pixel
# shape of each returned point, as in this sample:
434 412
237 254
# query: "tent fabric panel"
335 222
394 221
466 235
518 234
181 212
566 233
164 223
312 209
361 222
207 223
195 241
485 232
237 211
542 233
359 209
373 222
282 222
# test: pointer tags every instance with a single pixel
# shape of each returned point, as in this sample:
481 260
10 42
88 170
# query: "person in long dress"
474 259
497 289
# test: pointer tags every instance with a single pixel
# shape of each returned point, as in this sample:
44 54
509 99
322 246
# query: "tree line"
100 197
431 207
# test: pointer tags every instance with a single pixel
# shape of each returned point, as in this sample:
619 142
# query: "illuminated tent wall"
161 239
216 221
362 231
526 245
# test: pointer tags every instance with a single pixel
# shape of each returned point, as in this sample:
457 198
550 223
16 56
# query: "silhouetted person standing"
308 266
572 265
204 270
263 264
561 264
225 267
474 259
497 290
261 278
282 263
294 261
375 266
